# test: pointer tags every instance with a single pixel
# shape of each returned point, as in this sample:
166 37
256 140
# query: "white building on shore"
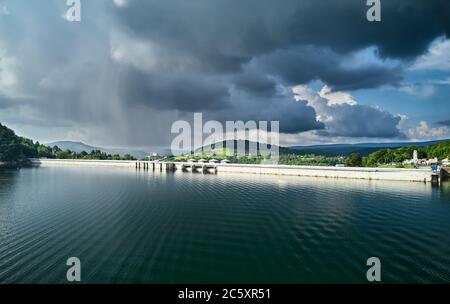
424 161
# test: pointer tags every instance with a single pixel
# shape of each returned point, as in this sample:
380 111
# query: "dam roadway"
394 174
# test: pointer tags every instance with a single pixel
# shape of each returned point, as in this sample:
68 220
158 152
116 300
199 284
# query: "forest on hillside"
17 149
384 156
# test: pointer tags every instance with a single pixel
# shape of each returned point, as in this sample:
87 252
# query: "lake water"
128 226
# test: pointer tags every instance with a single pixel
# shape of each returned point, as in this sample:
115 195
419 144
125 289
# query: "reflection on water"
143 227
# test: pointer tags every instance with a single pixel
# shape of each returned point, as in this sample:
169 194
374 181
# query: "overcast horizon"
122 75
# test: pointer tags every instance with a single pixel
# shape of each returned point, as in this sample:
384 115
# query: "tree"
379 157
128 157
354 160
63 154
11 147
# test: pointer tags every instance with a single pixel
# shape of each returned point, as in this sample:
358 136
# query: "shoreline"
392 174
16 164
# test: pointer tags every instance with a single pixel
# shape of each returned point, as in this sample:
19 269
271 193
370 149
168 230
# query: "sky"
130 68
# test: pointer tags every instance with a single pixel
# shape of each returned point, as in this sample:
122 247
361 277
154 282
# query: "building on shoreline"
424 162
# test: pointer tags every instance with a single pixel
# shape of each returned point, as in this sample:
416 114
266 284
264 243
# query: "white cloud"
319 103
343 116
441 81
142 55
55 81
368 57
3 9
437 57
336 97
422 90
424 131
8 75
146 55
404 119
425 91
120 3
322 100
303 92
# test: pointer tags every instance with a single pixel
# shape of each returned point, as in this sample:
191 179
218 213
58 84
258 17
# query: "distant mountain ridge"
362 148
233 144
331 149
77 146
326 150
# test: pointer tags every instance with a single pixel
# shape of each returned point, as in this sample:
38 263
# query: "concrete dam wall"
397 174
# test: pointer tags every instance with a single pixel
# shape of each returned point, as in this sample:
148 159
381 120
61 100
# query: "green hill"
230 146
13 148
16 150
79 147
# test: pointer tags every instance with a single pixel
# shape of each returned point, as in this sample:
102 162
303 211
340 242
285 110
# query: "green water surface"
129 226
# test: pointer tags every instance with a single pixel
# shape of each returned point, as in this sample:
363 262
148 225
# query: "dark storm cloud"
294 117
232 30
445 123
255 82
255 45
5 102
361 121
303 64
181 92
405 30
255 42
126 70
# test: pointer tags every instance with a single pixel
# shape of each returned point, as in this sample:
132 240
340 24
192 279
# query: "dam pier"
173 166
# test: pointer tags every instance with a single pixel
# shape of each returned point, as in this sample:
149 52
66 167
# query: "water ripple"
131 226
